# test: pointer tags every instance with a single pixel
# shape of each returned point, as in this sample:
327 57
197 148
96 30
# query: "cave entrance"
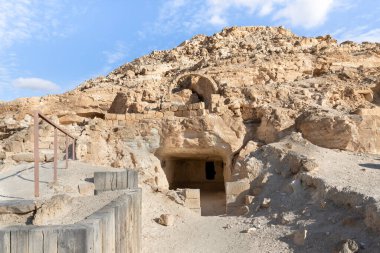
206 174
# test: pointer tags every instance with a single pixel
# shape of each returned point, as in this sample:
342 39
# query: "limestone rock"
249 199
2 155
266 202
346 246
58 204
17 206
86 188
166 220
299 237
26 157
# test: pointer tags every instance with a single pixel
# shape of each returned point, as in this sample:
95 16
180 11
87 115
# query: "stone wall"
115 228
112 181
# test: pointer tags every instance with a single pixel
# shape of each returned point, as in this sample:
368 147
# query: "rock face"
214 98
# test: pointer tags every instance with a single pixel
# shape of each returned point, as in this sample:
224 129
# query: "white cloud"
369 36
36 84
190 15
305 13
23 19
358 34
117 54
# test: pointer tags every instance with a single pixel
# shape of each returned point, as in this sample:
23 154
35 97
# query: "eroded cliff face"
209 97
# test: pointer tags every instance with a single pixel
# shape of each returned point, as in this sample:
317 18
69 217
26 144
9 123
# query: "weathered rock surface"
221 97
17 206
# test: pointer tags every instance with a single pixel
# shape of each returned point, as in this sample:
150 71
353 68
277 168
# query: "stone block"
5 241
26 157
120 117
73 239
36 240
86 189
132 179
193 113
198 106
174 108
94 239
169 114
215 98
105 181
178 114
112 116
236 188
201 112
121 123
192 193
15 146
166 219
121 216
182 108
186 113
121 180
19 239
192 203
159 115
135 221
107 217
50 238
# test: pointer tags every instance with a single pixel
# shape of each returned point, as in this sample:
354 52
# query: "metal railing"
38 115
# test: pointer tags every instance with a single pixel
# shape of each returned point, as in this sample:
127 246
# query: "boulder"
17 206
166 220
26 157
346 246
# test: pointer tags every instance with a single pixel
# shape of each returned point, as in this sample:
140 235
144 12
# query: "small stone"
2 155
266 202
244 210
86 188
299 237
249 199
285 218
166 219
228 226
346 246
309 165
249 230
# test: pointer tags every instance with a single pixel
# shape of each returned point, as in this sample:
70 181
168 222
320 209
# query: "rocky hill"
208 98
255 117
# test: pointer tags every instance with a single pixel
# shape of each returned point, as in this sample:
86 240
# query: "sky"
51 46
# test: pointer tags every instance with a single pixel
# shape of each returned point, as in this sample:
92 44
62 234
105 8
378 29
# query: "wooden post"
36 157
55 155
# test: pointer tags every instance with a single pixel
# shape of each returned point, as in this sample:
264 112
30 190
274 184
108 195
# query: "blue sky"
51 46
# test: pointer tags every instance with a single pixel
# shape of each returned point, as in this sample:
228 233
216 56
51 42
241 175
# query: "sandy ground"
194 233
18 182
350 175
345 172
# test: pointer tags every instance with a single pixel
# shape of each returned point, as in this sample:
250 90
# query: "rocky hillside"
211 95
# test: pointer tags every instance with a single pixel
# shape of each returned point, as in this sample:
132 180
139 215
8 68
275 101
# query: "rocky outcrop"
212 95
